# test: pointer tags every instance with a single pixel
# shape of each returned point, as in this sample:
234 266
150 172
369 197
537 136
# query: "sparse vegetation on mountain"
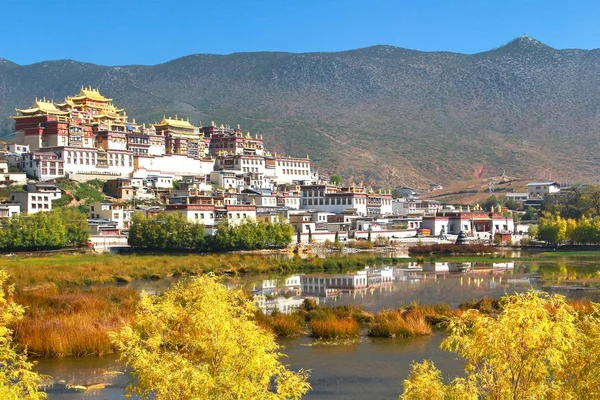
386 114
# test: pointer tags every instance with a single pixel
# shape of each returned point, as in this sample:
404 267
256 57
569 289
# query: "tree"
199 341
17 380
335 180
538 347
552 228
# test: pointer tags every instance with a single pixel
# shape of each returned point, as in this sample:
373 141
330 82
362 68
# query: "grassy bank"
92 269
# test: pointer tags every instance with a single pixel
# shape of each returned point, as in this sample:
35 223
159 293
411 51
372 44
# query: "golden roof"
42 107
90 93
68 102
176 122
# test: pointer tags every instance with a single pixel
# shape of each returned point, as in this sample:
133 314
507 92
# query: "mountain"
379 114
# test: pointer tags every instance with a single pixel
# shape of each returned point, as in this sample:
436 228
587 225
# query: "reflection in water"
390 287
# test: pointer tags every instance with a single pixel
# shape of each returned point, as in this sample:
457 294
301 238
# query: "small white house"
517 196
536 189
112 212
9 210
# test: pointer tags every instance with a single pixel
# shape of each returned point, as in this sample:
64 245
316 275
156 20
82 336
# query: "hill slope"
381 114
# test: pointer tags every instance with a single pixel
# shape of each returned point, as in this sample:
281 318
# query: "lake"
370 368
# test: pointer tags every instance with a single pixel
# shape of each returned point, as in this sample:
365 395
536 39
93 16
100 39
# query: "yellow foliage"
199 341
539 347
17 380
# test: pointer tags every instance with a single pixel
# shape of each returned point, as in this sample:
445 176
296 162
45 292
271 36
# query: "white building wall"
34 202
292 169
175 164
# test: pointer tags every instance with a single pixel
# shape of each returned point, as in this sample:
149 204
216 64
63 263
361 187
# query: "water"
370 368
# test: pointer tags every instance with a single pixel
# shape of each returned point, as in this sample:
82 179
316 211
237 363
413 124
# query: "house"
38 198
415 206
517 196
477 223
103 227
43 165
210 214
406 191
120 188
9 210
541 189
11 178
112 212
333 199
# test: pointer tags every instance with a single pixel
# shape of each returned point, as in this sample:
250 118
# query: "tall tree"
199 341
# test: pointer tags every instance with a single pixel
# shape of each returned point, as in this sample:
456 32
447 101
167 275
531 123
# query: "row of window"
331 201
249 169
39 198
293 164
295 172
52 171
199 216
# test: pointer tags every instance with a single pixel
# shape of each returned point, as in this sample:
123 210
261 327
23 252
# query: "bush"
360 244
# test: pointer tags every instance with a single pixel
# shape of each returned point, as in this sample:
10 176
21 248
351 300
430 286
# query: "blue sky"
124 32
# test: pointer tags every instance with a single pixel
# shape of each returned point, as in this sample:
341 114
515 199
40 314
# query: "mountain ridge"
379 114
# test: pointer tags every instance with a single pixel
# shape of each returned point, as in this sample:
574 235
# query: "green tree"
552 229
199 341
335 180
18 381
538 347
78 232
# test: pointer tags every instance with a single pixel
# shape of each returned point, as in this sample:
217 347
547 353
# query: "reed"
282 325
399 324
582 306
72 323
334 328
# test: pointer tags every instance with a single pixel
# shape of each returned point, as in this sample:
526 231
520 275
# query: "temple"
87 136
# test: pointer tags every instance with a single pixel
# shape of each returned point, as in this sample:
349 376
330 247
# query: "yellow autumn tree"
539 347
199 341
17 379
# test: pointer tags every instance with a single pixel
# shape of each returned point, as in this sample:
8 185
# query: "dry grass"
582 306
90 269
282 325
72 323
334 328
394 324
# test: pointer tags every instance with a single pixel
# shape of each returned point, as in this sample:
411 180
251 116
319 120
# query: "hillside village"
210 174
